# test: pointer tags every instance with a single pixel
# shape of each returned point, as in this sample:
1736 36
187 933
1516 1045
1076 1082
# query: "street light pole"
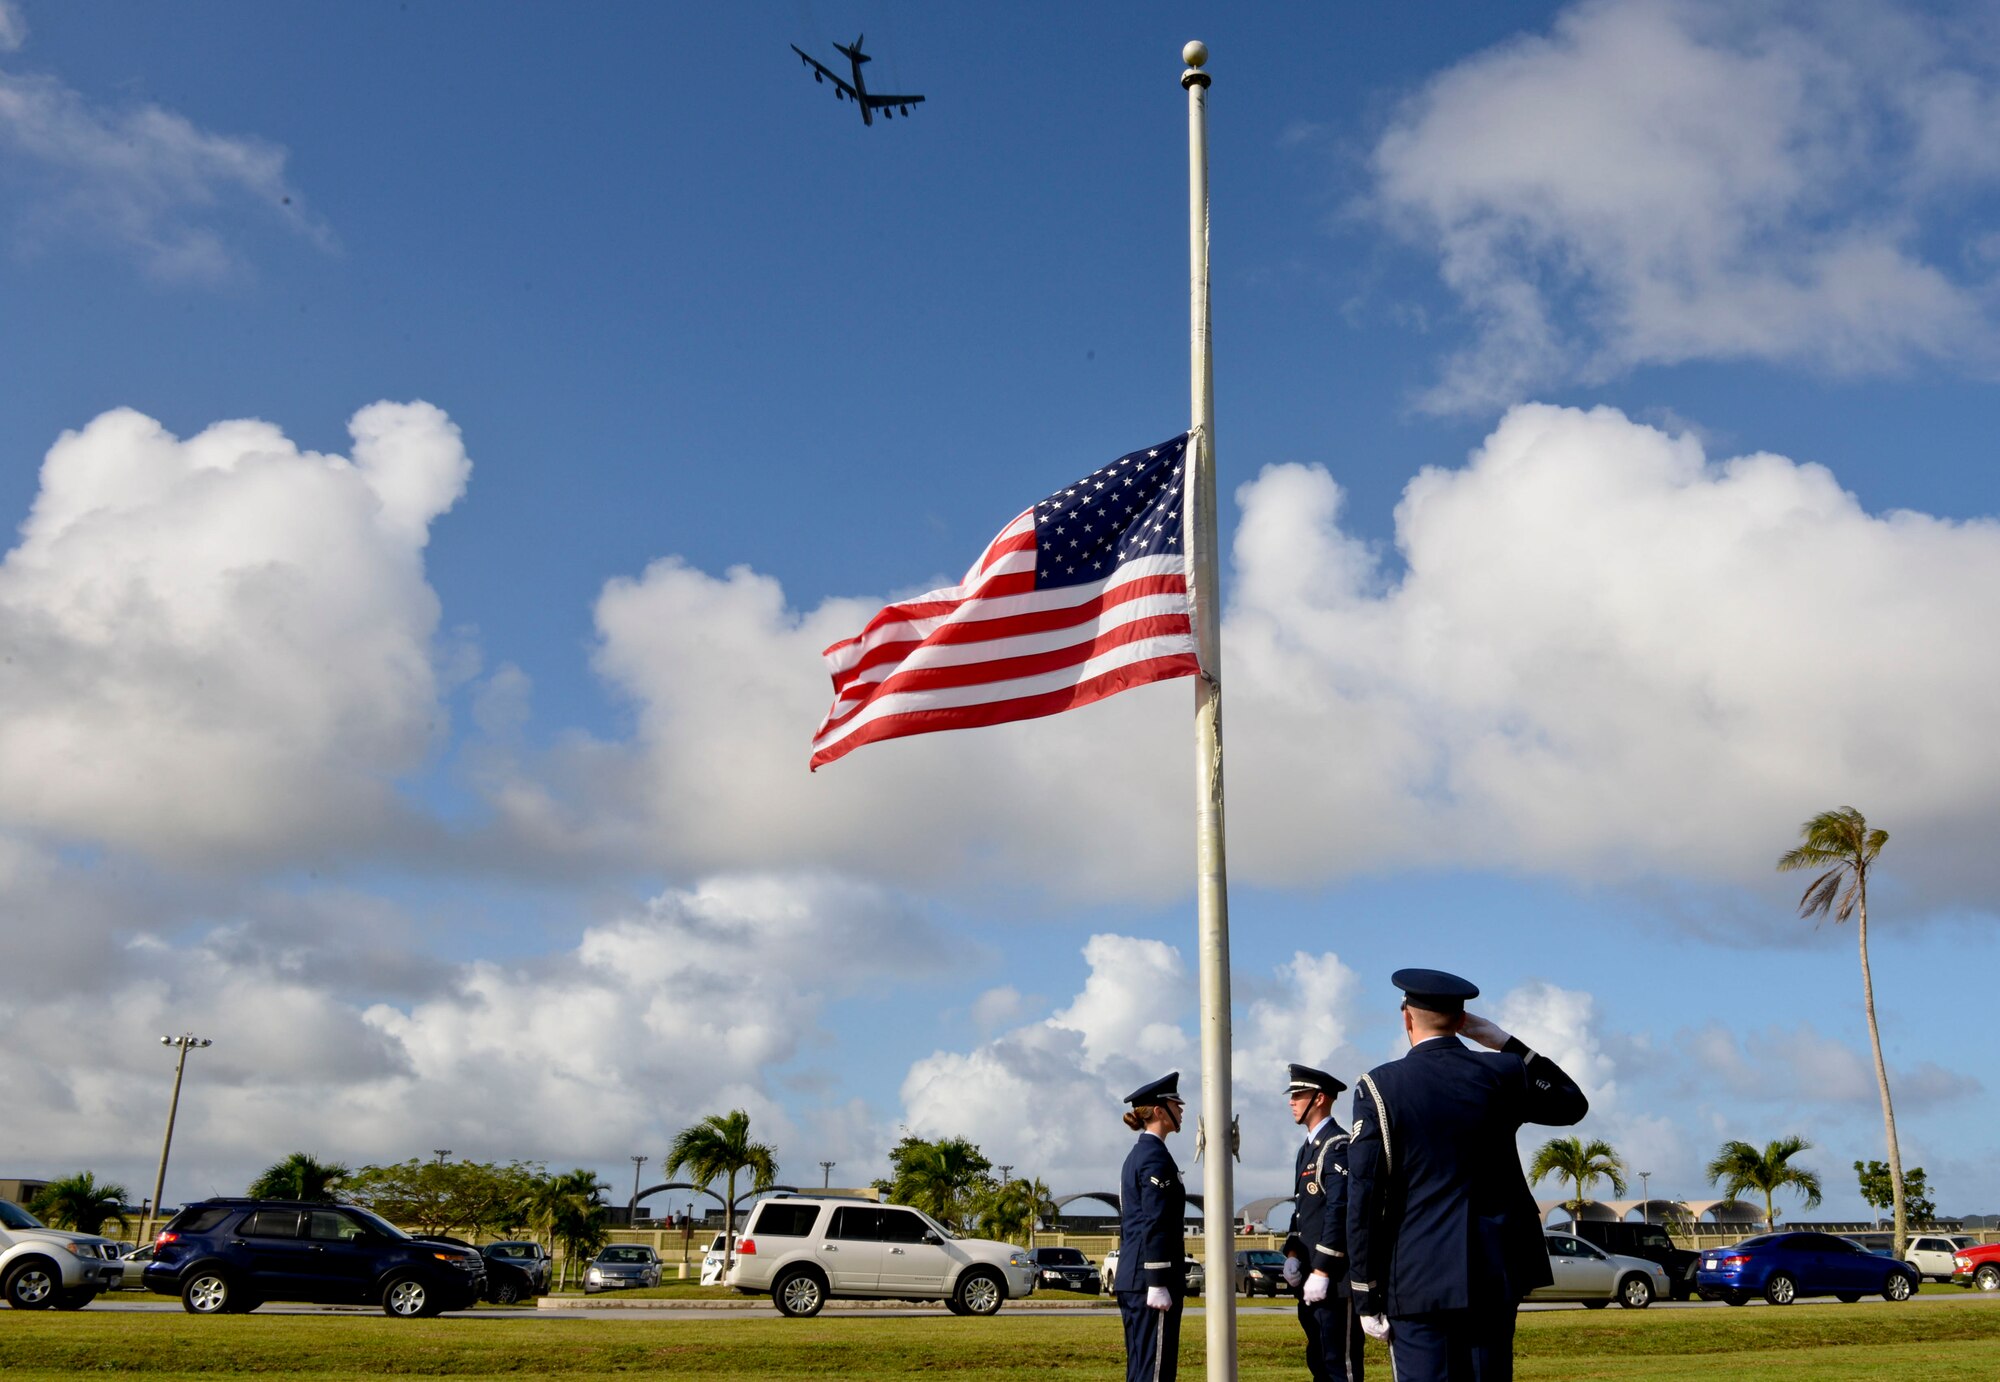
184 1041
632 1210
826 1173
440 1153
1646 1190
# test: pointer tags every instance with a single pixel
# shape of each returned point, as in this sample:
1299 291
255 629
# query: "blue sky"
1604 404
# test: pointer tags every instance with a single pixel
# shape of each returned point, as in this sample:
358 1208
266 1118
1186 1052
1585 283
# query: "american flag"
1080 597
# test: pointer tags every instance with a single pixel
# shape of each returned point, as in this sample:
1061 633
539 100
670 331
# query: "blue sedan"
1781 1267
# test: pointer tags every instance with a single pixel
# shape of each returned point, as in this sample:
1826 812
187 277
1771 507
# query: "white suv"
42 1267
805 1250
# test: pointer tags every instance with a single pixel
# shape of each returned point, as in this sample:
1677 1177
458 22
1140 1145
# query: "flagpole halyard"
1211 875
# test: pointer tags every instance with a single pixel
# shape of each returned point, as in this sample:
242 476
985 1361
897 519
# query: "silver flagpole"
1211 883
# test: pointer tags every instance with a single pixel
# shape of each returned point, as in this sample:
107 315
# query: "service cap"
1163 1090
1305 1078
1434 990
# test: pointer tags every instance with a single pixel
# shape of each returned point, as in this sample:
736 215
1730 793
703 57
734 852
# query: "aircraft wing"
877 102
825 71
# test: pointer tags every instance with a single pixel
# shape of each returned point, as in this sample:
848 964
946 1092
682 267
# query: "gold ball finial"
1195 54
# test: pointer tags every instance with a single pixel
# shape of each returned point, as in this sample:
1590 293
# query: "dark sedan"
1064 1269
1781 1267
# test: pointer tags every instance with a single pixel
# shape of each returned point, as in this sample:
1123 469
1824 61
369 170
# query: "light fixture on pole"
440 1153
183 1041
632 1210
1004 1171
1646 1192
826 1173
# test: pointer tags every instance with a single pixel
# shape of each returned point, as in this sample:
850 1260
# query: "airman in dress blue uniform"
1443 1235
1334 1340
1152 1239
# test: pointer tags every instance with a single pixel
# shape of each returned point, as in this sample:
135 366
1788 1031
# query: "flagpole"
1211 882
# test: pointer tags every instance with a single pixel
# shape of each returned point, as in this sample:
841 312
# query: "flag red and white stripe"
1014 642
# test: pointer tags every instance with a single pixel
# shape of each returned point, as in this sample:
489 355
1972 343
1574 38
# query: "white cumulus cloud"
222 645
1655 181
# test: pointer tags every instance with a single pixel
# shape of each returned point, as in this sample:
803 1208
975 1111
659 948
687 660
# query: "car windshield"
377 1223
1267 1259
1762 1240
511 1249
625 1255
13 1216
1062 1257
1654 1238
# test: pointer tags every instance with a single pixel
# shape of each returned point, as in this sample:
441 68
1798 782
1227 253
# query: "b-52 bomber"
857 91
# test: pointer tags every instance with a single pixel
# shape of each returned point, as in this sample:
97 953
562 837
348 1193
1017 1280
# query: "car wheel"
1595 1304
1846 1297
1635 1292
1987 1278
506 1293
980 1292
799 1294
1782 1290
207 1293
1736 1297
1897 1287
75 1299
407 1298
32 1284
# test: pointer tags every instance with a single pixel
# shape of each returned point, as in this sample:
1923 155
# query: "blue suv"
226 1256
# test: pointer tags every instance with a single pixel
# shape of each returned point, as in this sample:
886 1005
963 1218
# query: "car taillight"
1736 1260
166 1238
747 1248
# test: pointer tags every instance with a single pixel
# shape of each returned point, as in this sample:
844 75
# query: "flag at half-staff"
1082 596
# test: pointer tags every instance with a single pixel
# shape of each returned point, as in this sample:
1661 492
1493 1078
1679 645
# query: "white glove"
1316 1285
1483 1030
1292 1271
1159 1298
1375 1326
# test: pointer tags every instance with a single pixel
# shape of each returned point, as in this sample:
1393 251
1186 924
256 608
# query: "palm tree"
79 1203
1580 1163
300 1176
1738 1166
720 1145
1008 1210
942 1178
568 1209
1841 843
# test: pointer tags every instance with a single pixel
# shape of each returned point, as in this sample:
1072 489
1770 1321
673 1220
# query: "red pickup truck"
1978 1265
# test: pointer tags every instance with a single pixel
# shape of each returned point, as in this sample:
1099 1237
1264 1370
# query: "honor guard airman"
1443 1235
1152 1238
1334 1340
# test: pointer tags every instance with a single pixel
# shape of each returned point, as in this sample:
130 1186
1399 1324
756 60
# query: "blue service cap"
1304 1078
1159 1091
1434 990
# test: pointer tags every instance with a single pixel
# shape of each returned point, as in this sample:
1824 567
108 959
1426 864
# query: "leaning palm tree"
80 1203
1841 843
720 1145
1579 1163
300 1176
1738 1166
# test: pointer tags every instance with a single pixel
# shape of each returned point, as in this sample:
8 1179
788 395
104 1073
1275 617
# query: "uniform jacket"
1152 1208
1319 1201
1439 1215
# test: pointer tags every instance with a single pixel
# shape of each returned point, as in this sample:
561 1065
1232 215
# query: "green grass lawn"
1941 1341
